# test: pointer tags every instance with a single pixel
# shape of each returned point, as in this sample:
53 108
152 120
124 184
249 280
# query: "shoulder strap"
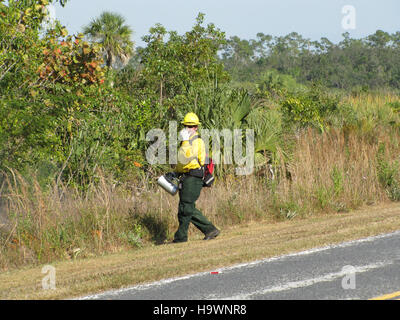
193 138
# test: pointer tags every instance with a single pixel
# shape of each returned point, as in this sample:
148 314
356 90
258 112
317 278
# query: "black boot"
212 234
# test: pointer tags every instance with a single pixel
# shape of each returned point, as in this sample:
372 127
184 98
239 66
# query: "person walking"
191 159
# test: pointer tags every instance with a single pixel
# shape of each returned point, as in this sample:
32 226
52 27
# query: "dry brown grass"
328 173
237 244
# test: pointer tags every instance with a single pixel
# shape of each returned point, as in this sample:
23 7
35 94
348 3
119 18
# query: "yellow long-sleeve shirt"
191 154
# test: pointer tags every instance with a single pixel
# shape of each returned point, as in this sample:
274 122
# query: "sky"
313 19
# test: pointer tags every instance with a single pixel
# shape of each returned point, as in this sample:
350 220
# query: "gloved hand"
171 175
184 135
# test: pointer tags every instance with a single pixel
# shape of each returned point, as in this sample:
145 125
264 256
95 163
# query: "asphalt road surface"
362 269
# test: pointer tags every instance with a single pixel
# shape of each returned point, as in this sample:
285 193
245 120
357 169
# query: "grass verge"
237 244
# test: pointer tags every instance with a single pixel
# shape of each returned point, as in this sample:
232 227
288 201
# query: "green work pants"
187 212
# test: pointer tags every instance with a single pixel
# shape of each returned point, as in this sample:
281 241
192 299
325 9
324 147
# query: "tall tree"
182 63
110 31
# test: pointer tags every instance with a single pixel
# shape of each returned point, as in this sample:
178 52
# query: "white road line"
141 286
306 282
237 266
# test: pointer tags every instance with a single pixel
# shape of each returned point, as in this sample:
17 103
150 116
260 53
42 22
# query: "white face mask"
184 134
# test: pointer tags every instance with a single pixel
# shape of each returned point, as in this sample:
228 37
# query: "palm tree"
109 30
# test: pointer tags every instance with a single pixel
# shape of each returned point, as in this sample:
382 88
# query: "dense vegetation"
361 64
75 110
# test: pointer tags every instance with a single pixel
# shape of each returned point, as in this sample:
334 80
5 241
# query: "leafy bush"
310 108
57 113
395 106
273 83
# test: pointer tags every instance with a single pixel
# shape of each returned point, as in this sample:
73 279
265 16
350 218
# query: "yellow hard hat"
191 119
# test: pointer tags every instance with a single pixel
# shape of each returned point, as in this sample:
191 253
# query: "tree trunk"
109 59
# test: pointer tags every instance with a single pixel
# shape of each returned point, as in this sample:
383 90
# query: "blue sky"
244 18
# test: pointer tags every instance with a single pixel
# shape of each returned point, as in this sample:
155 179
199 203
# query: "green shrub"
337 181
310 108
273 83
388 174
133 237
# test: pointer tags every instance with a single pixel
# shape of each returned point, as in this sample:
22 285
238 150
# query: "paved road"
361 269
